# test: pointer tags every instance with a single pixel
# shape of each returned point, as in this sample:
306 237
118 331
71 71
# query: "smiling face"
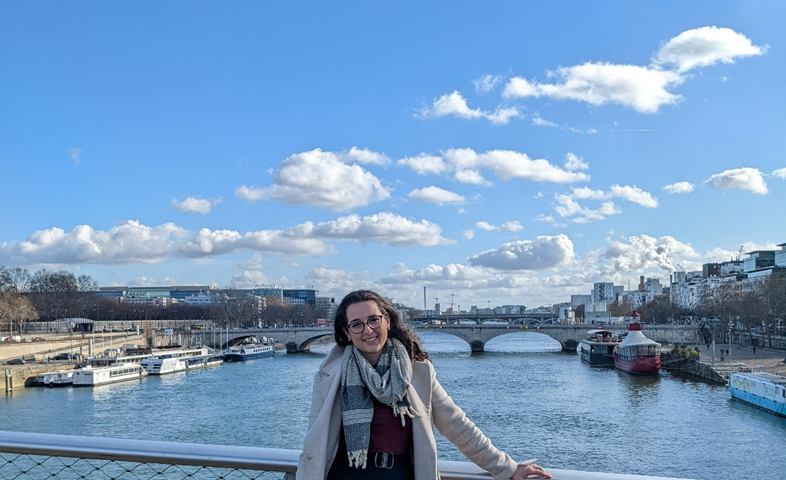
370 341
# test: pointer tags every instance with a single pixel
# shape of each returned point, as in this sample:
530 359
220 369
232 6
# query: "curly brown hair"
398 330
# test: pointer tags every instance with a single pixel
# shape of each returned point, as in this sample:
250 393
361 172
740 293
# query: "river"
531 401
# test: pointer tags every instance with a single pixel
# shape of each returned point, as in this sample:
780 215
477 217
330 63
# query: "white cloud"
455 105
196 205
423 164
76 155
319 179
507 164
542 253
436 195
383 227
358 155
472 177
133 242
639 253
742 178
679 187
705 46
510 226
468 234
780 173
568 205
640 88
253 263
574 162
248 279
487 83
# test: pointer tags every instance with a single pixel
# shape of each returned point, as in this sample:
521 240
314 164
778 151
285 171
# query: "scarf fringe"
404 411
358 458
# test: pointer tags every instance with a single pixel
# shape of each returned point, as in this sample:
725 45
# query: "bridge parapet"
300 339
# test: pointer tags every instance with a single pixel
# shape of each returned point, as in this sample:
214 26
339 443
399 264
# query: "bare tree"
16 309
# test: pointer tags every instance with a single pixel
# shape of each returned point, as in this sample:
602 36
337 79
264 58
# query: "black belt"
387 460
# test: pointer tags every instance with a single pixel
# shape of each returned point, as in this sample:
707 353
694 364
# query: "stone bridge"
569 336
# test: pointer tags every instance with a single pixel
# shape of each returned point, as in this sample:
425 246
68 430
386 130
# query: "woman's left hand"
531 470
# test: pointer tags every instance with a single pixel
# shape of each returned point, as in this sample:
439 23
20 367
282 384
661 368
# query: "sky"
493 153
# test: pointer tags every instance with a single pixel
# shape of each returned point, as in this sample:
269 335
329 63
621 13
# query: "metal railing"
36 456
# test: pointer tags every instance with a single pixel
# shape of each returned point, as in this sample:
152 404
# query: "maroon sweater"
387 434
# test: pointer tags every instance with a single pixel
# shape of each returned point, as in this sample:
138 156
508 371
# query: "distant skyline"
512 153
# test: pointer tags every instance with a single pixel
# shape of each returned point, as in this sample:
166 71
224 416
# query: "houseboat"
598 348
637 354
763 390
175 359
91 376
250 349
60 378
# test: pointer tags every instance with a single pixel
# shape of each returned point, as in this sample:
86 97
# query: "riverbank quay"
38 356
739 358
35 455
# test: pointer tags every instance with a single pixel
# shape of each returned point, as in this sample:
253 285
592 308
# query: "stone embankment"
763 359
35 355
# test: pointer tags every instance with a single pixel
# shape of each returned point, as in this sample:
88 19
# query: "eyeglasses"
373 322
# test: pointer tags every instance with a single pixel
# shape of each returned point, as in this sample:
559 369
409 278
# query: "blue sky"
503 153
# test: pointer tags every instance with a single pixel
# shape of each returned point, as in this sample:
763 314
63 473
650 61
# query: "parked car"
63 356
15 361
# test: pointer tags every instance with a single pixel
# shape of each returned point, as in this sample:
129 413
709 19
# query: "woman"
376 400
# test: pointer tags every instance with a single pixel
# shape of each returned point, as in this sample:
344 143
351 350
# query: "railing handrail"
251 458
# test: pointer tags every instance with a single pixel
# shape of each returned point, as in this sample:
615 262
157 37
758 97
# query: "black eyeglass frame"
369 320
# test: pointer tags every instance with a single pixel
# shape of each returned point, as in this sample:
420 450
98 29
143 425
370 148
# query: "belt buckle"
384 460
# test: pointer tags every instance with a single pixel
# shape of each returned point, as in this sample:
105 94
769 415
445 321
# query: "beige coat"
428 398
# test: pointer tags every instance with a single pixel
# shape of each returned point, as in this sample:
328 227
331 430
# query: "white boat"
252 348
91 376
760 389
60 378
178 359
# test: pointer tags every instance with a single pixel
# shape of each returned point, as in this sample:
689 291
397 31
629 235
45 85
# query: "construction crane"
740 252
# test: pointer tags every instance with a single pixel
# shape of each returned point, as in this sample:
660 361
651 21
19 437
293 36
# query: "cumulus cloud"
574 162
383 227
487 83
358 155
133 242
746 178
248 279
508 164
196 205
705 46
468 234
568 204
455 105
321 179
542 253
780 173
679 187
510 226
424 164
640 253
641 88
436 195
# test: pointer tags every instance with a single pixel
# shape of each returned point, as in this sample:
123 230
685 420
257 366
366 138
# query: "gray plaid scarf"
387 382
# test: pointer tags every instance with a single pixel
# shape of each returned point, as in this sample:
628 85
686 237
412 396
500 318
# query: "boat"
598 348
91 376
763 390
176 359
60 378
637 354
250 349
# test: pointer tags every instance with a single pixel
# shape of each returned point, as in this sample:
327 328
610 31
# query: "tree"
16 309
774 298
14 279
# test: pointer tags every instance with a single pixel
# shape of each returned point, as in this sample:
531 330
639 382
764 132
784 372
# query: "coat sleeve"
453 424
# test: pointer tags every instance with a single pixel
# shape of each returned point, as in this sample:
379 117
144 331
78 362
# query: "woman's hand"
529 470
